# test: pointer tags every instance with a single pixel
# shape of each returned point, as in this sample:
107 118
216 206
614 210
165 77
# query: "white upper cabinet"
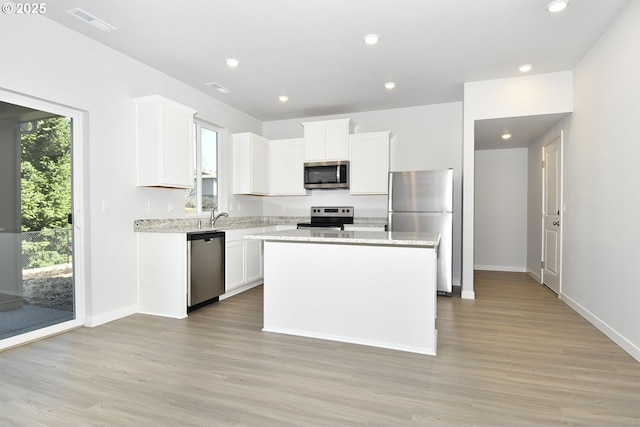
326 140
369 162
164 142
286 158
250 164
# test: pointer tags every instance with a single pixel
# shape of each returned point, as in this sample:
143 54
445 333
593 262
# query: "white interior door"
551 214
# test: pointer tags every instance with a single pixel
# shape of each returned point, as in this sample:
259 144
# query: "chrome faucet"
214 217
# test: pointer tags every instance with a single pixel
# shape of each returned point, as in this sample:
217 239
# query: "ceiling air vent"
218 87
90 19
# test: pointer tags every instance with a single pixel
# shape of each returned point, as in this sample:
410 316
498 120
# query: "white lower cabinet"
254 260
162 274
162 268
235 264
243 260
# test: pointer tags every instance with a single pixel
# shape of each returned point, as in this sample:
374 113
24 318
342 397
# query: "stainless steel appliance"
333 174
423 201
329 217
205 268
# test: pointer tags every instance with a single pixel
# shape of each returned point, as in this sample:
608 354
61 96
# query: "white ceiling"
312 51
524 130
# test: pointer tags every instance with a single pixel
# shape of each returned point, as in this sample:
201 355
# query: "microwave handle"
338 174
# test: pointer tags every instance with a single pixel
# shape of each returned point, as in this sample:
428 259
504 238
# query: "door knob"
556 223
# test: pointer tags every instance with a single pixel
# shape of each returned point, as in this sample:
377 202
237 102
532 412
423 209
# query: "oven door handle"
331 226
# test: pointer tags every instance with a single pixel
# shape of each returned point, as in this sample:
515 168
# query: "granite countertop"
200 224
378 238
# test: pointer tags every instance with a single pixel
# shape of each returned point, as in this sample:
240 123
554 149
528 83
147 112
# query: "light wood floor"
515 356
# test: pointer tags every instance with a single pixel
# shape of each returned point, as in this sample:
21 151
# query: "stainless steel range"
334 217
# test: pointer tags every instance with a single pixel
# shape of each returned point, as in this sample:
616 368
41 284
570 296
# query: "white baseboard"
468 295
151 313
625 344
240 290
509 268
92 321
535 276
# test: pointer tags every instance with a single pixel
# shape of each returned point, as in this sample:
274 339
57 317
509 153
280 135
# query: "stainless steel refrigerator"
423 201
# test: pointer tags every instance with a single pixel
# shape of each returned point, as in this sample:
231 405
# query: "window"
203 197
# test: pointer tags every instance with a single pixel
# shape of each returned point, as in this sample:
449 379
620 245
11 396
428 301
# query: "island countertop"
323 235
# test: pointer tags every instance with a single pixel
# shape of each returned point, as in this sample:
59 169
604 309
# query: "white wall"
501 210
424 137
491 99
85 75
601 228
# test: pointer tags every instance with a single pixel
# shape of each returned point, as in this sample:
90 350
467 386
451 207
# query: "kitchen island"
365 287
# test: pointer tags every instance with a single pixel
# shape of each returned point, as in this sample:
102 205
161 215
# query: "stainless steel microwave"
332 174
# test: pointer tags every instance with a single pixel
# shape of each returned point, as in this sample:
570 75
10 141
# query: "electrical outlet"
169 207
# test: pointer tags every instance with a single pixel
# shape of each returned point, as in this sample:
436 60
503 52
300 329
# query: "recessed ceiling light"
525 68
371 39
90 19
283 98
557 6
219 87
390 85
232 62
506 136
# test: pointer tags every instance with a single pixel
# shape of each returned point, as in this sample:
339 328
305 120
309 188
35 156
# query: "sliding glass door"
37 287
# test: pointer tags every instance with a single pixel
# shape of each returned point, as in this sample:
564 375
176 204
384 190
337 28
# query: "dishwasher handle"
205 235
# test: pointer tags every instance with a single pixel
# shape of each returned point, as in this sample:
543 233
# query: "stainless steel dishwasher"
205 268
